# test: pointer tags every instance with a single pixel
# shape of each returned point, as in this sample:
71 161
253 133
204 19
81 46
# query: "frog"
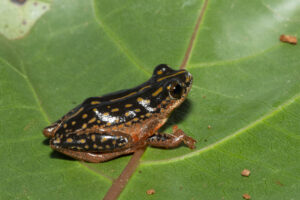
106 127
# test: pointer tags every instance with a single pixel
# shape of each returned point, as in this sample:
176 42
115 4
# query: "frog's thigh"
93 157
93 146
94 141
171 140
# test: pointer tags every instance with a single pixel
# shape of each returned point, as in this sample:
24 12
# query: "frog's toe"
190 142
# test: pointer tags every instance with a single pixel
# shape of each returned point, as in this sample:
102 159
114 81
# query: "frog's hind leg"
93 157
171 140
92 145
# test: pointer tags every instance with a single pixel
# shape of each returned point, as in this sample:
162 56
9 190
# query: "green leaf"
243 109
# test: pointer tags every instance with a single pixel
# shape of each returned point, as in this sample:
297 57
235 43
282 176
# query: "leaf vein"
35 95
217 93
227 138
194 36
117 42
13 68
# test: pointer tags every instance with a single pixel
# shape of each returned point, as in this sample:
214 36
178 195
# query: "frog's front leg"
171 140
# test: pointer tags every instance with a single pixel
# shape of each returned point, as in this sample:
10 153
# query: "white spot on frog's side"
56 141
130 114
146 105
106 117
17 19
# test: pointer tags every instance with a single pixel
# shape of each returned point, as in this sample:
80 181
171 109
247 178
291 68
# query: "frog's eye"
176 90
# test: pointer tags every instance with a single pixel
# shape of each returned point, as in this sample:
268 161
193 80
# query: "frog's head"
171 87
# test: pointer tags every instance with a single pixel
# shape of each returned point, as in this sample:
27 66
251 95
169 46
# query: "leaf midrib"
119 185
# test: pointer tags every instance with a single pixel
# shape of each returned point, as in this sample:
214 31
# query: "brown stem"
119 184
195 32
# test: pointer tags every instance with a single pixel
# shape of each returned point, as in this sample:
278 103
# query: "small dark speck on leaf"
44 7
29 125
288 39
246 196
245 172
279 183
20 2
35 3
140 171
150 192
204 97
180 188
24 22
205 140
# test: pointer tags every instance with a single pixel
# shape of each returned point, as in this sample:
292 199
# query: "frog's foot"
49 131
93 157
171 140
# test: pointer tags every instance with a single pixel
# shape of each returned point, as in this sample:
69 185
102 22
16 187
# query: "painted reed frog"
102 128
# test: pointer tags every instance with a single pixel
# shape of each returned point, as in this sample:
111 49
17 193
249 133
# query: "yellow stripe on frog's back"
128 95
160 79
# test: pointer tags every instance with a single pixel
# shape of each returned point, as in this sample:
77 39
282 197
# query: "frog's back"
125 107
121 108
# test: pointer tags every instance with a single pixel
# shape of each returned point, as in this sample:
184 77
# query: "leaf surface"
243 109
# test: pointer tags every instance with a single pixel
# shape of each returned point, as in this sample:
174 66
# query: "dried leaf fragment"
288 39
246 196
245 172
150 191
19 1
